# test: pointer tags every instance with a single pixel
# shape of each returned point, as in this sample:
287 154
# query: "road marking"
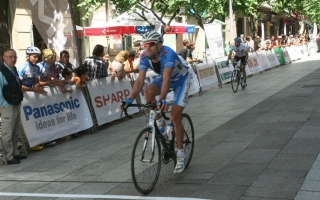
89 196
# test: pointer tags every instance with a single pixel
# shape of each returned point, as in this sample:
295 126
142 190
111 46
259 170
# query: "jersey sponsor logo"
165 52
169 63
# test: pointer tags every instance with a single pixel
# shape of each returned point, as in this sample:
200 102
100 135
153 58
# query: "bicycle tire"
188 139
145 174
234 80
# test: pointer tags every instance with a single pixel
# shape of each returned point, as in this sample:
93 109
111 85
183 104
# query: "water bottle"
163 132
169 131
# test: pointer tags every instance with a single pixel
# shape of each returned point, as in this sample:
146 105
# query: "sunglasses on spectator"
149 44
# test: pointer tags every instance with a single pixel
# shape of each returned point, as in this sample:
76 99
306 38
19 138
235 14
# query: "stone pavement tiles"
259 151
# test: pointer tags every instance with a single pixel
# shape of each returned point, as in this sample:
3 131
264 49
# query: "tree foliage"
308 8
158 8
205 11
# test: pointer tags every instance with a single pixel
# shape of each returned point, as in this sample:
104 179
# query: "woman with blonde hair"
129 64
117 66
49 74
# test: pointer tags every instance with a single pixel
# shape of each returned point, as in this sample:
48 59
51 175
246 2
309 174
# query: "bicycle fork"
153 138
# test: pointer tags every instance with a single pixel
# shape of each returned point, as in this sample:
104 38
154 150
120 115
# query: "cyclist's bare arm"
138 85
230 54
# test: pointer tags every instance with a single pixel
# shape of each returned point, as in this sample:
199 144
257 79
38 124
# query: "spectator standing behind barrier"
273 42
318 37
183 50
82 76
284 40
49 73
307 37
257 43
190 58
129 67
248 44
64 63
107 62
137 45
267 44
289 40
279 41
242 38
95 66
137 58
117 69
29 73
10 101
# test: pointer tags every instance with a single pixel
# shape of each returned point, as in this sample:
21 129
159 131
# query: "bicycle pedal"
166 157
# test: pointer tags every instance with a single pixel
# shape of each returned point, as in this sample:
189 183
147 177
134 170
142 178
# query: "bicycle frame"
153 125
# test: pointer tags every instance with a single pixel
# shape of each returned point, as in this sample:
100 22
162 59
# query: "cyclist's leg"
235 59
243 69
152 90
181 91
176 112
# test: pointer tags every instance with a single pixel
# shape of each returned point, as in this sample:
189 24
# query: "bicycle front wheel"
188 138
234 80
145 162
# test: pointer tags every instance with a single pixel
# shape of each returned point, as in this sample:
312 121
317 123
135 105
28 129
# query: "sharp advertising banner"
55 25
106 96
45 118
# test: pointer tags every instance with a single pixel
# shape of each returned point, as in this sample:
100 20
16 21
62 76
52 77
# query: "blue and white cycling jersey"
45 71
28 73
239 51
180 78
168 59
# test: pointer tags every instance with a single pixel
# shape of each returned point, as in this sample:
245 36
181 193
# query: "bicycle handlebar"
152 106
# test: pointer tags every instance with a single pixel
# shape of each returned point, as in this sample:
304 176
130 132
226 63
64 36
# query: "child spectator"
67 75
82 76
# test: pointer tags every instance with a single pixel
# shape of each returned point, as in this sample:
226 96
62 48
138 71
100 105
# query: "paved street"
259 143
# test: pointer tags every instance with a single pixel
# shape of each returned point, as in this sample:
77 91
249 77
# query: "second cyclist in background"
241 53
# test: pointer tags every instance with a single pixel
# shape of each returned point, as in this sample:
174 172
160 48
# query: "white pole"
231 19
31 36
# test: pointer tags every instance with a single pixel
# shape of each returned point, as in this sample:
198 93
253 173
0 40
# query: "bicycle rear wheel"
234 80
145 165
188 139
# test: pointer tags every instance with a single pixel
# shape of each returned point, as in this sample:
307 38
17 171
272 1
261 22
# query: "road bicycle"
236 77
147 153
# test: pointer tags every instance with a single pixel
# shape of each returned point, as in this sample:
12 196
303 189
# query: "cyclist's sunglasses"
149 44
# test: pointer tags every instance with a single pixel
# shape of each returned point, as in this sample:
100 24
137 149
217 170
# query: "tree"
206 11
158 8
250 9
308 8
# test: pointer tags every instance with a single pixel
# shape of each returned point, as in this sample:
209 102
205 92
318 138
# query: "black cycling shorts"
243 59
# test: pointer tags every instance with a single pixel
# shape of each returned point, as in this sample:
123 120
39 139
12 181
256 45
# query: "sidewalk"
259 143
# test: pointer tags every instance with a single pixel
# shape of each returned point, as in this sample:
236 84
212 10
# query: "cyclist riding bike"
241 53
173 71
